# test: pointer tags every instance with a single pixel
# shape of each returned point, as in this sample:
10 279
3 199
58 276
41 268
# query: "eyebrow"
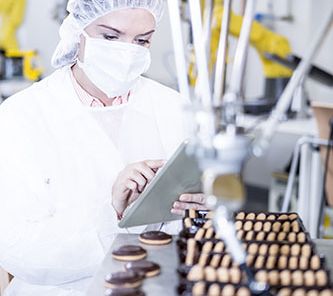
148 33
122 33
110 28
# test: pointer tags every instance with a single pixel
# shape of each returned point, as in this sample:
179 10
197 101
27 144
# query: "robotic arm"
262 39
11 14
15 63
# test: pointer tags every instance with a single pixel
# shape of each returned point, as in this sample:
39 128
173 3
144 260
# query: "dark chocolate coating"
124 292
124 277
142 266
129 250
155 235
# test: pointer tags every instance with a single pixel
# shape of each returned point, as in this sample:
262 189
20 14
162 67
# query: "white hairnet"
84 12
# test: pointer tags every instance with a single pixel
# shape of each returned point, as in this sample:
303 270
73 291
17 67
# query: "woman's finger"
139 179
187 206
155 164
131 185
134 196
199 198
178 212
145 170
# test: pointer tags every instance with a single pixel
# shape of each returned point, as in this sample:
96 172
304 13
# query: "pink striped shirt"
90 101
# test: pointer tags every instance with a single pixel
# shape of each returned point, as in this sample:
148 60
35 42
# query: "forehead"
130 20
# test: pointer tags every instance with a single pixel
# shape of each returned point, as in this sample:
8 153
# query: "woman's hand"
189 201
131 182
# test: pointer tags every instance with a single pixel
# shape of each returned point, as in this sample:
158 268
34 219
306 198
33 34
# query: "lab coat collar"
76 115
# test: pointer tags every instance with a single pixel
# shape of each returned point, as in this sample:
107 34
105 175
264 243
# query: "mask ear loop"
78 62
85 34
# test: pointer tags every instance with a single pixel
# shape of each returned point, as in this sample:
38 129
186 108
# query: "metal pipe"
291 178
292 175
316 193
221 62
208 13
284 102
237 75
178 45
304 184
200 53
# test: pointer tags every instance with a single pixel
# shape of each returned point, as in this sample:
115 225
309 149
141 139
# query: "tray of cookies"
279 251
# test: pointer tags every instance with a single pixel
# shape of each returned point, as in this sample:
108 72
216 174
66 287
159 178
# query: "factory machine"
219 142
18 68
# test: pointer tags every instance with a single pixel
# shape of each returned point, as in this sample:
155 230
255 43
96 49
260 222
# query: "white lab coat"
57 167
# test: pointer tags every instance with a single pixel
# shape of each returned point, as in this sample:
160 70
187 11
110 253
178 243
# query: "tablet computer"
181 174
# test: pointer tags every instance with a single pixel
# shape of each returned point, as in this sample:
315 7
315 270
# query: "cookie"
235 275
215 262
251 216
297 278
228 290
261 216
129 253
148 268
243 292
192 213
309 278
203 259
285 277
223 275
271 262
273 278
125 279
198 289
209 233
188 222
240 216
283 217
214 290
196 273
299 292
295 250
258 226
322 278
315 262
155 238
210 274
200 234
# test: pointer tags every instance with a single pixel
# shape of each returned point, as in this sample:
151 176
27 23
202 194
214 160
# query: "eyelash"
139 41
143 41
110 37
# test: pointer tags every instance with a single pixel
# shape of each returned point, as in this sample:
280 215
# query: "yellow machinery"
14 63
264 41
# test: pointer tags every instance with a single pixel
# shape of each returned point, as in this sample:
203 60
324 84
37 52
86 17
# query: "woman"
78 147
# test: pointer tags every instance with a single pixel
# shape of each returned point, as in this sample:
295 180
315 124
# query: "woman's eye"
110 37
142 41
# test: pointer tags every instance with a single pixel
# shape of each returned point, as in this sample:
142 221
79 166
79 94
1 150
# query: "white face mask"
114 66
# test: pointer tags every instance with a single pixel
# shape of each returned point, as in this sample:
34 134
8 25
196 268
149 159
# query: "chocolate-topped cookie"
129 253
148 268
124 292
124 279
155 238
